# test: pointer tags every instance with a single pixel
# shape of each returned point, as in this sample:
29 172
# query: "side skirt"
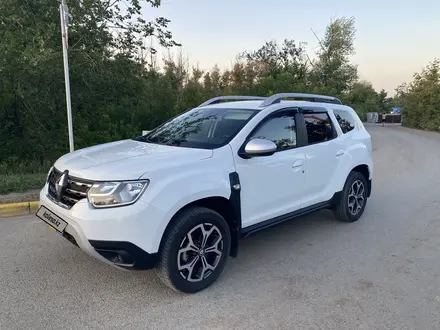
246 232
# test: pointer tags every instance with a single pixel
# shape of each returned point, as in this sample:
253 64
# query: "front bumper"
121 237
125 255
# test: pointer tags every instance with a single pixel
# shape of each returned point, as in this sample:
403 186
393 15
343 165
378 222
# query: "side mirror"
258 148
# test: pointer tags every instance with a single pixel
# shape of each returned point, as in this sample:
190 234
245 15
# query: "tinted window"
206 128
281 130
319 127
345 120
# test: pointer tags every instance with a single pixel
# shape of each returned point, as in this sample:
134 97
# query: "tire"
344 209
198 267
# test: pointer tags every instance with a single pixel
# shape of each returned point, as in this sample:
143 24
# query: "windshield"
206 128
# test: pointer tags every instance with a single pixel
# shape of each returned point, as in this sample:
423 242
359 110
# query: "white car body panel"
270 185
170 191
318 187
126 160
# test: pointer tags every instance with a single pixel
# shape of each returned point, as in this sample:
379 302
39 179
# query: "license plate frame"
53 220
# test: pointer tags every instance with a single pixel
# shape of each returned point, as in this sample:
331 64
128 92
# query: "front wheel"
353 199
195 250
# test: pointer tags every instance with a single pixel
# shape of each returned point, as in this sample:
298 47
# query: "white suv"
180 197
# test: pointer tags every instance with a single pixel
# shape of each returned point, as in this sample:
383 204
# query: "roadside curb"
22 208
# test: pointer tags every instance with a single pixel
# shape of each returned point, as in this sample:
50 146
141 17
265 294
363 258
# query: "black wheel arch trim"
235 200
366 175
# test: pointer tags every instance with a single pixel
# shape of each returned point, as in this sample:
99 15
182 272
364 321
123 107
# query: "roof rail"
309 97
232 98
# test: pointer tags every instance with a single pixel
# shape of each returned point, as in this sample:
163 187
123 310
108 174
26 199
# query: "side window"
319 127
281 130
345 120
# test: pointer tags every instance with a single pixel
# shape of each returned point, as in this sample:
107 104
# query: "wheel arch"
364 169
219 204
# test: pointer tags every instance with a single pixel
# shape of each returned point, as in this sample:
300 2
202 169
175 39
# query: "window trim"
332 124
300 137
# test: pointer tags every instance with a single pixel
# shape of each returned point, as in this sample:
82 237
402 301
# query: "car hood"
126 160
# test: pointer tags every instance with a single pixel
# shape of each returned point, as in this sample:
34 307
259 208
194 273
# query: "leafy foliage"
333 68
117 89
420 99
109 82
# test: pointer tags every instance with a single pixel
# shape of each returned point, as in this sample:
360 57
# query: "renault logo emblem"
61 184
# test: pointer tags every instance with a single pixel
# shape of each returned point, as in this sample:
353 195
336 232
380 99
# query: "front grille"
75 190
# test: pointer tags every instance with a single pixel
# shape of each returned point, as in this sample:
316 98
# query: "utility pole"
64 15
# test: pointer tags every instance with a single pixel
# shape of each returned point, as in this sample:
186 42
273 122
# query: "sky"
394 38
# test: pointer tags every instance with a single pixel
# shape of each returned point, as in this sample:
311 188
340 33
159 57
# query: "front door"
272 185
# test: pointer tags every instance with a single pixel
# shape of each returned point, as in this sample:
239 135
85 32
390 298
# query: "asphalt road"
382 272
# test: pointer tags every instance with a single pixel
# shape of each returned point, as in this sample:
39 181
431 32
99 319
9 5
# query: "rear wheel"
354 198
195 250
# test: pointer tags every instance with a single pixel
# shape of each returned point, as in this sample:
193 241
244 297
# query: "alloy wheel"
200 252
356 197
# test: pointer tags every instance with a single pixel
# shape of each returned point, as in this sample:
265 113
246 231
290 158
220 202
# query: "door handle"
298 164
340 153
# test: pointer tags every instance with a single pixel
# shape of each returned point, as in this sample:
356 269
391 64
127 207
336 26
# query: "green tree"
272 59
420 99
363 98
107 77
332 69
384 102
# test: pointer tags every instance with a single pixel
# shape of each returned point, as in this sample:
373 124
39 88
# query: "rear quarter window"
345 120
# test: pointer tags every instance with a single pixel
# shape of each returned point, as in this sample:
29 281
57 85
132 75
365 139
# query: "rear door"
322 154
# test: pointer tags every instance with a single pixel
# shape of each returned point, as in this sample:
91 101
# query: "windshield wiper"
142 139
170 142
174 142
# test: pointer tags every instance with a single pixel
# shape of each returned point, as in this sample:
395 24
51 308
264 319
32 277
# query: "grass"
21 182
18 176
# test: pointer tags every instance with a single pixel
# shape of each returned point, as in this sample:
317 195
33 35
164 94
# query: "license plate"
51 219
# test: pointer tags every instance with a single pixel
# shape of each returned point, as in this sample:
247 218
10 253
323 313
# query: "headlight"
49 173
110 194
